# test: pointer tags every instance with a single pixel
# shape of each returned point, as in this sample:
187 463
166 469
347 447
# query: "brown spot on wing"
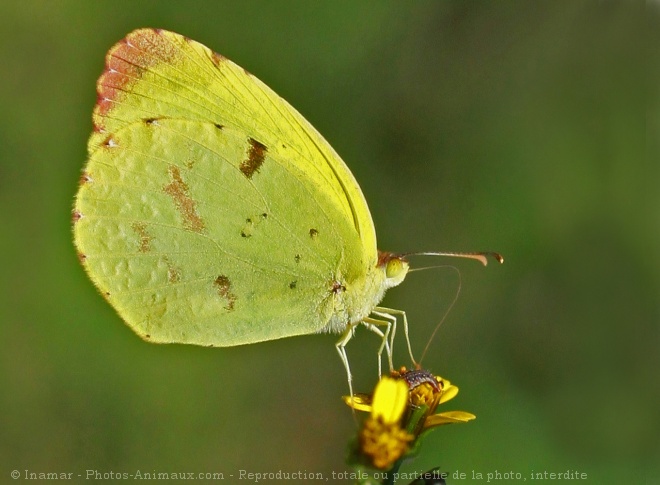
255 158
140 229
82 257
247 229
337 287
76 216
84 178
313 233
217 58
173 272
115 80
127 61
252 223
178 190
223 285
109 142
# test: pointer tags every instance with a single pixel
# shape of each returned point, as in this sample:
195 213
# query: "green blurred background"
529 128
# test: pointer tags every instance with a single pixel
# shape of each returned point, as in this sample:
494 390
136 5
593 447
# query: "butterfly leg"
392 321
389 323
371 325
341 349
382 311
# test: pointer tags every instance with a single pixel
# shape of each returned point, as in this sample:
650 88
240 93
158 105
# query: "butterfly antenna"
481 256
447 311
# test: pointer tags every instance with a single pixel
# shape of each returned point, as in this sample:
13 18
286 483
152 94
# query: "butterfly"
210 212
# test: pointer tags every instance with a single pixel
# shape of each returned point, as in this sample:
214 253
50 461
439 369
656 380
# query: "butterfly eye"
396 270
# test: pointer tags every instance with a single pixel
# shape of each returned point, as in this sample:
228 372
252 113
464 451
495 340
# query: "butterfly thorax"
353 299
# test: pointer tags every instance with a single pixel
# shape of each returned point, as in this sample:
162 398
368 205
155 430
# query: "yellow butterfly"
211 212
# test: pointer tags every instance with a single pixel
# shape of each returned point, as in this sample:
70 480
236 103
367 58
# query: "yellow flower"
401 408
422 393
381 437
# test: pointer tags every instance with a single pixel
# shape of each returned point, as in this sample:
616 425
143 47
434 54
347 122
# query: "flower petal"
448 417
359 402
449 392
390 399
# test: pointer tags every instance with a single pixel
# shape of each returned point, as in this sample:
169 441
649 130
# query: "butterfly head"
395 267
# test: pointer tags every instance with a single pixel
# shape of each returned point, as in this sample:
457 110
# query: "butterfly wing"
210 211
